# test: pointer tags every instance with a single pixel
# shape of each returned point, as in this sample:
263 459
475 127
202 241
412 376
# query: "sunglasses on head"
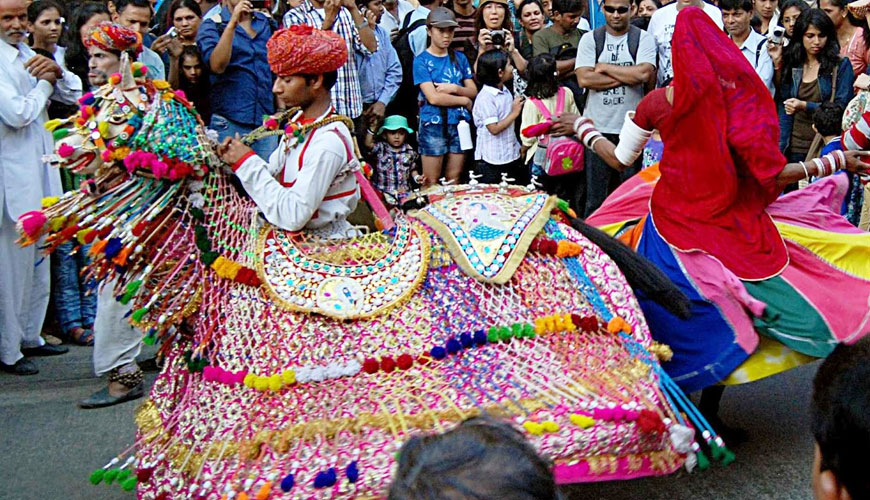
614 10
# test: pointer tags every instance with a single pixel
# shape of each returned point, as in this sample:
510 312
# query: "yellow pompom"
160 84
49 201
249 380
540 328
261 383
550 426
103 128
80 235
289 377
533 427
56 223
582 421
569 323
50 125
275 383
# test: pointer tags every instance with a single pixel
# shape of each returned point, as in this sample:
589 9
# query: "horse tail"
640 273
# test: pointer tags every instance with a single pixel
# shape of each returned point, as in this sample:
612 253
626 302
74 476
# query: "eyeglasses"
614 10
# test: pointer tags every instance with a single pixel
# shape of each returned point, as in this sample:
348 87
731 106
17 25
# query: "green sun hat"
395 122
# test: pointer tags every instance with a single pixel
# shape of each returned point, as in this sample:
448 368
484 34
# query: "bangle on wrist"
370 131
806 172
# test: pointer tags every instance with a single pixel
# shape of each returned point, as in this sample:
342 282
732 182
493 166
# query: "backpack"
564 155
405 102
599 35
761 45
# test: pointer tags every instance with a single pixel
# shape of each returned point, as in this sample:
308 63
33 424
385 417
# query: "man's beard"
101 78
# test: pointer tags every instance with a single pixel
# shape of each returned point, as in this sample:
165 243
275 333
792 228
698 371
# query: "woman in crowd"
791 11
531 15
645 10
88 15
72 305
184 16
192 78
858 50
813 72
493 17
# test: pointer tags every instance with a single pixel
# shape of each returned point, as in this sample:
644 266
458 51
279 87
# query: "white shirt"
152 61
661 26
755 50
24 177
303 186
491 106
389 22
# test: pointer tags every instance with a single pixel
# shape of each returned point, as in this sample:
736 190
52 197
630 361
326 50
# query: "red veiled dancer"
790 268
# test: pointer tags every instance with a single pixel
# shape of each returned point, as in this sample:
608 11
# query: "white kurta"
306 186
24 180
116 342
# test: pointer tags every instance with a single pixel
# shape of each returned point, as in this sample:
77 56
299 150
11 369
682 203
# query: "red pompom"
649 422
388 364
404 361
370 366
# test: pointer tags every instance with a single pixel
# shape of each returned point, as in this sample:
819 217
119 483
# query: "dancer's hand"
232 150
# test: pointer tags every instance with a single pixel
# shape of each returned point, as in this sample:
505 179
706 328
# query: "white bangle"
577 123
841 157
806 172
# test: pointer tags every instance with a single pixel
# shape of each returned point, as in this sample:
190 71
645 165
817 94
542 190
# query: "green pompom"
129 484
728 456
124 474
139 314
132 288
59 133
97 476
529 331
149 339
563 205
504 334
715 450
492 334
110 475
703 462
197 214
208 258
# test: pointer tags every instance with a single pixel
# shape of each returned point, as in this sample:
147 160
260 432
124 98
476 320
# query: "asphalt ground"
50 446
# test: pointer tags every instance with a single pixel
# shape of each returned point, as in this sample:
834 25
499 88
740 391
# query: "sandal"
80 336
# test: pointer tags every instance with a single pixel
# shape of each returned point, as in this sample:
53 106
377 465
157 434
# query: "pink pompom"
159 169
240 377
271 124
65 150
107 155
31 222
208 373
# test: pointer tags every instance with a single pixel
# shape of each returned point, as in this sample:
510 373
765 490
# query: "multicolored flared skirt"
820 299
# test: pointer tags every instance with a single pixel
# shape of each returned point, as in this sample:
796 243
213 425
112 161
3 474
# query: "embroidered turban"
114 38
303 50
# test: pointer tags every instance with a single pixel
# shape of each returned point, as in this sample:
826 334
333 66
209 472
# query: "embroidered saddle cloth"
489 232
346 279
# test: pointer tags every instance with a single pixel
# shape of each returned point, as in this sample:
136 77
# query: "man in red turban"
308 182
105 43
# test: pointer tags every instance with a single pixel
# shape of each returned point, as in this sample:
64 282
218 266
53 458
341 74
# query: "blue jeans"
438 140
228 128
72 303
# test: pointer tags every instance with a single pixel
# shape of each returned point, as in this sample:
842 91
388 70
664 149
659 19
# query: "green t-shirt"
547 39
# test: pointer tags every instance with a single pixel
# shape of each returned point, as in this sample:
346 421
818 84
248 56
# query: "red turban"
303 50
114 38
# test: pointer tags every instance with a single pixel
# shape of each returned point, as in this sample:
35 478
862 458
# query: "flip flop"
84 337
102 398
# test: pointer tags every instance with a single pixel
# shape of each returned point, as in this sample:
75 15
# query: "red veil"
720 158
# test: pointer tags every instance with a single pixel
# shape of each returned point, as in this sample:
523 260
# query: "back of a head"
481 459
841 416
828 119
567 6
542 76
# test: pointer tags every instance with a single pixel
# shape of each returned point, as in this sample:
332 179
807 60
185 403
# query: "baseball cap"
441 17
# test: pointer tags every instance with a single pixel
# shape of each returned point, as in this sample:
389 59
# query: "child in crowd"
480 459
495 111
828 122
841 424
447 91
395 159
544 87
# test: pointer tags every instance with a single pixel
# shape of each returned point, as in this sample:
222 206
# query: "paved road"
49 446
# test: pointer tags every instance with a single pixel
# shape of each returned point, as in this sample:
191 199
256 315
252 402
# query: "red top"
720 161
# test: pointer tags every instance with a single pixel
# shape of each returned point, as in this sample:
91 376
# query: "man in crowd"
380 74
136 15
27 82
395 12
233 46
561 41
209 9
418 38
116 342
614 64
736 14
344 18
661 26
464 35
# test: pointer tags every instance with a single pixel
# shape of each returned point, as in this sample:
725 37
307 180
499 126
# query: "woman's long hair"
76 54
479 23
796 54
